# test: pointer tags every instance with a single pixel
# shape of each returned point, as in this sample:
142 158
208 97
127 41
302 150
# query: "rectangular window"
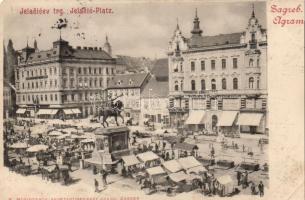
85 70
223 63
213 64
234 63
100 70
94 71
55 97
202 65
193 66
79 70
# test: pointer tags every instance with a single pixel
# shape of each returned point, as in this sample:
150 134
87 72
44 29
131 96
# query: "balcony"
177 110
226 92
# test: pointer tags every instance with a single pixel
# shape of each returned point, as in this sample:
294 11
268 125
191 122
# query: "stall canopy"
186 146
19 145
197 170
179 176
155 171
249 119
227 183
130 160
188 162
68 111
147 156
76 111
227 118
21 111
196 117
172 166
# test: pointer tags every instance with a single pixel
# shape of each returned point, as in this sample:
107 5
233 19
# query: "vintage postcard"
136 100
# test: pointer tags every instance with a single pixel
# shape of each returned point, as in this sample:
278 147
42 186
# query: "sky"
138 29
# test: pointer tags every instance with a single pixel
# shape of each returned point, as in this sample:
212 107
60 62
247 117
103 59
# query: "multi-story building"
219 82
61 81
154 103
128 89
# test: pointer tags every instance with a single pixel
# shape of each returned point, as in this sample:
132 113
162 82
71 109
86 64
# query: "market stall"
149 159
172 166
224 185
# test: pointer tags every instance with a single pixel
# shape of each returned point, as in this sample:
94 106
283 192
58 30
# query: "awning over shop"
68 111
76 111
155 171
47 112
249 119
196 117
227 118
21 111
188 162
172 166
147 156
179 176
130 160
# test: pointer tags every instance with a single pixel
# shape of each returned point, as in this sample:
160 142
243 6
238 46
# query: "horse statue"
114 110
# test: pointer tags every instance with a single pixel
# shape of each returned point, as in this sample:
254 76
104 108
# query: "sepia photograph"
133 101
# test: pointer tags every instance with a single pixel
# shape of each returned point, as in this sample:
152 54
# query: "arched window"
213 84
193 85
202 84
176 86
181 85
181 67
251 62
257 83
257 62
224 84
251 81
235 83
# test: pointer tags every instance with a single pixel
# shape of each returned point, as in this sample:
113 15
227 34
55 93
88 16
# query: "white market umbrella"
19 145
38 147
55 133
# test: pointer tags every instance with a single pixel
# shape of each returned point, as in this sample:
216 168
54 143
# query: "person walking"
253 189
261 189
105 174
96 185
238 177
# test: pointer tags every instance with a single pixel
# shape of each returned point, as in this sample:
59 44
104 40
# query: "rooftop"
62 49
160 68
216 40
128 81
155 89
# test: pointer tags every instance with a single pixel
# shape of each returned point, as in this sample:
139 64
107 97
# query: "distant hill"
135 64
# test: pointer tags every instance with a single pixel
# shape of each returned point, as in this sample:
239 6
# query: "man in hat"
261 189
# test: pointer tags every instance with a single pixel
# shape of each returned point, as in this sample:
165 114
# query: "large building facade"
219 83
62 81
128 88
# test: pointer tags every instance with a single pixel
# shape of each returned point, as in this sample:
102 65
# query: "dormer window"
119 82
130 82
39 56
54 52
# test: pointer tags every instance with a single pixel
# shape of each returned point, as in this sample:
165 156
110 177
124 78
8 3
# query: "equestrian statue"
111 109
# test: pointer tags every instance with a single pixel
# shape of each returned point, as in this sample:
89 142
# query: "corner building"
219 83
62 81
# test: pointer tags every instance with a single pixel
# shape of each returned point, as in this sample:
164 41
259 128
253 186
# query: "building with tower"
219 83
62 81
